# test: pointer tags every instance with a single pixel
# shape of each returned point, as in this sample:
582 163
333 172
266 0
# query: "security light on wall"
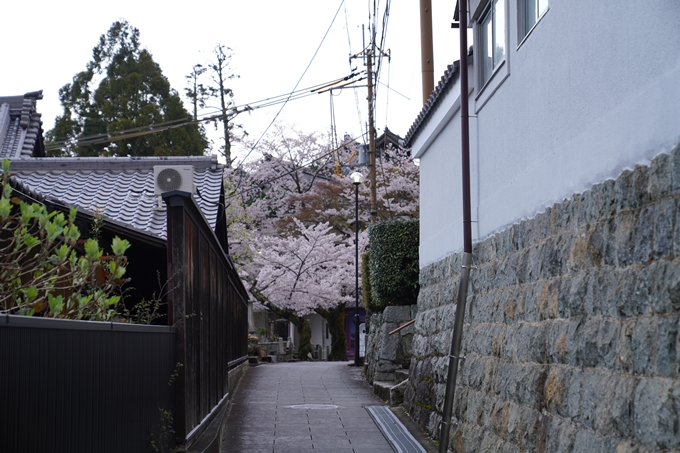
173 177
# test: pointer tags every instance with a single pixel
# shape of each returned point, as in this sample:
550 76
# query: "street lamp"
357 178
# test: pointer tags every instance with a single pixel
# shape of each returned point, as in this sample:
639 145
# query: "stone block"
660 171
560 435
587 354
624 348
554 392
506 272
397 314
607 201
385 366
600 282
640 181
633 293
622 404
643 345
573 394
664 216
529 429
388 343
667 357
396 395
564 216
571 294
624 192
659 274
606 345
383 377
642 236
588 440
674 163
656 412
557 341
532 343
490 442
672 285
446 317
522 384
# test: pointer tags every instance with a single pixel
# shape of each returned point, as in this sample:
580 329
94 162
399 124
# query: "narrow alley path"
303 406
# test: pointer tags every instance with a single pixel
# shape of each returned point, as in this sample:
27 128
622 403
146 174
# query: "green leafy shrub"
46 269
366 295
394 267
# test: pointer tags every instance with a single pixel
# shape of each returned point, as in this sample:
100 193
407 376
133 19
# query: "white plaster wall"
593 90
318 325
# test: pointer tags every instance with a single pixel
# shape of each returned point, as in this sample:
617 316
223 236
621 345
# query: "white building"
563 95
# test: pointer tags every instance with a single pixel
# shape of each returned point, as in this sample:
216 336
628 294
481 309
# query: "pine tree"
110 106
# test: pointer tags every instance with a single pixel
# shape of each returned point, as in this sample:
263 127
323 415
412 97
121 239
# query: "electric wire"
387 95
269 181
180 122
356 93
296 85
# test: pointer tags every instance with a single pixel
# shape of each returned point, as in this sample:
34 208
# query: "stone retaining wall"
386 353
571 331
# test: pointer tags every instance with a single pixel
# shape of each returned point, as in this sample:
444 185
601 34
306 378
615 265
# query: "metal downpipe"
457 339
454 356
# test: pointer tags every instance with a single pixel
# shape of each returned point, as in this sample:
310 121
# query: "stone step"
382 389
400 375
390 392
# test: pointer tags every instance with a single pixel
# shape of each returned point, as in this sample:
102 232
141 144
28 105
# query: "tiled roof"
21 127
445 83
121 188
388 137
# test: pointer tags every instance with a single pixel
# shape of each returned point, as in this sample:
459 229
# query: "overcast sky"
46 42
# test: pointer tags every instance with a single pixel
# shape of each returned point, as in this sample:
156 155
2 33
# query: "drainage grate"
394 431
313 406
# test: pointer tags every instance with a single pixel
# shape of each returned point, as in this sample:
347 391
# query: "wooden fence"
83 386
208 305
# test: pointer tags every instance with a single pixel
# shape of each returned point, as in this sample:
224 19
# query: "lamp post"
357 178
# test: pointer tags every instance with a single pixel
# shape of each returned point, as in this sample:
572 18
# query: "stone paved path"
303 406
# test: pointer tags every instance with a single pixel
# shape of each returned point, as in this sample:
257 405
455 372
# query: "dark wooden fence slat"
214 302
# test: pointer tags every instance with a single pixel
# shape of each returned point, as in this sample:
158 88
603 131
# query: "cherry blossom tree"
309 271
293 210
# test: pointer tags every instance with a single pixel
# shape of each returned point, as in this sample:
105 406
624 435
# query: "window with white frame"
529 13
492 37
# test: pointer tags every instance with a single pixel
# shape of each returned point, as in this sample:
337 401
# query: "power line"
295 170
296 85
181 122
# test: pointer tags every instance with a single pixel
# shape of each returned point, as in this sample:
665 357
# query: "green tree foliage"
394 268
109 107
47 270
366 293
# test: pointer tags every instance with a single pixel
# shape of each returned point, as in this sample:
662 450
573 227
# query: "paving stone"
266 400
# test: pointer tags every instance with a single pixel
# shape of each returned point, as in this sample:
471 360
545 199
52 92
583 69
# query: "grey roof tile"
21 127
444 85
120 188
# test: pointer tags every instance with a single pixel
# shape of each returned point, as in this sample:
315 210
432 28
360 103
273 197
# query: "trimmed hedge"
394 267
366 295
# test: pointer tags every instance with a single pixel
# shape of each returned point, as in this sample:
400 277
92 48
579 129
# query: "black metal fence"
83 386
208 304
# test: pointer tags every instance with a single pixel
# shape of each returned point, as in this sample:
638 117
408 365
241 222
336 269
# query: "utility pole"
371 136
426 52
